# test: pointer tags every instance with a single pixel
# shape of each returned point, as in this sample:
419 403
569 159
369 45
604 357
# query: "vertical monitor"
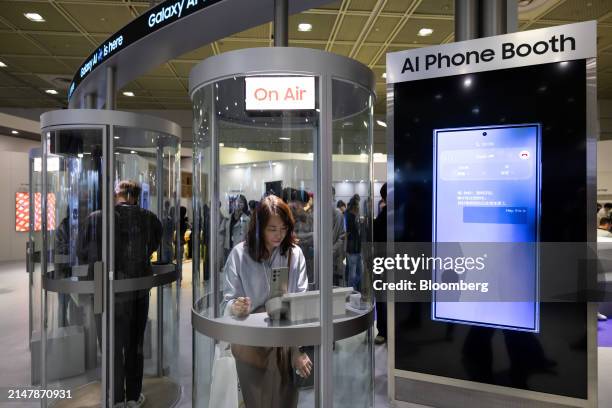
487 204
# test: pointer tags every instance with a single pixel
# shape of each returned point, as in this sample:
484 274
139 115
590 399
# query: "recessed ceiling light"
37 18
221 144
254 164
2 64
128 93
365 124
284 138
133 151
381 123
51 91
80 155
424 32
384 75
467 82
304 27
242 149
236 167
14 132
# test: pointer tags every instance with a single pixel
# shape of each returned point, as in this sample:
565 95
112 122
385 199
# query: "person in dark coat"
138 234
380 236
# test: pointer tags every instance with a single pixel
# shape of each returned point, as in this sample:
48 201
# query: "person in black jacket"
380 236
138 234
353 244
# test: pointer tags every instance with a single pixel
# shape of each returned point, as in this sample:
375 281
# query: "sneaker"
137 404
380 340
601 317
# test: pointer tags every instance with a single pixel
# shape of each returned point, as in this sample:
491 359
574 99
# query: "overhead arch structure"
164 32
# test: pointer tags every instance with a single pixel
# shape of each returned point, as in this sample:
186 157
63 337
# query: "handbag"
224 384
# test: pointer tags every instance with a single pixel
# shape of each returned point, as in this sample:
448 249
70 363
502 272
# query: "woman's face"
274 232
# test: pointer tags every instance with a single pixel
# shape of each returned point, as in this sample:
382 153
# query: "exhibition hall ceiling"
43 56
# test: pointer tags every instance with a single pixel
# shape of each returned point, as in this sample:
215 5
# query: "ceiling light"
365 124
80 155
467 82
236 167
2 64
37 18
304 27
51 91
221 144
115 137
381 123
424 32
254 164
128 93
364 155
274 164
384 75
564 63
133 151
242 149
284 138
14 132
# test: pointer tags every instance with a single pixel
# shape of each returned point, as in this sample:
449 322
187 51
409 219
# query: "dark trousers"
131 311
381 318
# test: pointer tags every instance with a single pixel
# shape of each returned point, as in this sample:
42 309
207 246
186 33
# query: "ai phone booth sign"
280 93
484 134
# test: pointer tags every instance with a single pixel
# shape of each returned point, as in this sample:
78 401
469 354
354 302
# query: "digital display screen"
486 190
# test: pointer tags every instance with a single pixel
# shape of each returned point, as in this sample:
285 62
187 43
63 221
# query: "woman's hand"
302 364
241 307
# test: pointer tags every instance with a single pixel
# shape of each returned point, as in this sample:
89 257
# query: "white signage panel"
533 47
280 93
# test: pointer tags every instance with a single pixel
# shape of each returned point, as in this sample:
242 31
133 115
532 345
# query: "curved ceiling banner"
153 38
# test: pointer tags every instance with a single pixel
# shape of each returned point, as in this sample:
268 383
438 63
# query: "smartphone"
279 281
486 205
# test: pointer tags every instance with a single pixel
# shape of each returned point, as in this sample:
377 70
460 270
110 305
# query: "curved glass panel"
146 235
262 196
352 177
74 174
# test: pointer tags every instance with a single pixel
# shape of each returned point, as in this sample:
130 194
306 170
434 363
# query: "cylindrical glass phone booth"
110 205
282 296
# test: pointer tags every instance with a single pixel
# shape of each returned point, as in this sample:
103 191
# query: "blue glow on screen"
486 190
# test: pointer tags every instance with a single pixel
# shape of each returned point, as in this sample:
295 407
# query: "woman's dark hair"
245 204
255 243
340 204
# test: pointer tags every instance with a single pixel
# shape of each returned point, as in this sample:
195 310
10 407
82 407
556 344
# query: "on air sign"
280 93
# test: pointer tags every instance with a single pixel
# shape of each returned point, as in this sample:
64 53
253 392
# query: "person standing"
138 234
353 244
380 237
